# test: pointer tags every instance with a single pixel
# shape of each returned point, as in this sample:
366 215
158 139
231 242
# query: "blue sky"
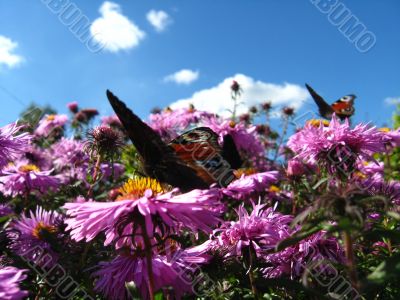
274 46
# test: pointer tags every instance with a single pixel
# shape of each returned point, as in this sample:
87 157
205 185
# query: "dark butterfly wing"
344 107
325 110
159 159
199 148
230 152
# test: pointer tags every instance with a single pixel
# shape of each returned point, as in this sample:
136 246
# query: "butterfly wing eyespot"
344 107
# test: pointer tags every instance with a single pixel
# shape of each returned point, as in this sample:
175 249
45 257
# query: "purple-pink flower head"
105 141
11 143
337 146
68 153
296 168
111 121
36 156
125 268
317 248
24 178
51 123
143 203
5 210
261 230
245 136
34 236
170 123
314 252
10 278
252 184
73 107
392 136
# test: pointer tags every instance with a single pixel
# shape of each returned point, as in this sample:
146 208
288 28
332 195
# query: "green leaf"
159 296
394 215
319 183
4 219
133 290
386 271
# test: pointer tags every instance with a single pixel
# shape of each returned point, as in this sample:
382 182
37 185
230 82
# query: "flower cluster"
306 208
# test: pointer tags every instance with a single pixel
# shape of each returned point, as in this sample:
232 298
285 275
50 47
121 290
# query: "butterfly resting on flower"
193 160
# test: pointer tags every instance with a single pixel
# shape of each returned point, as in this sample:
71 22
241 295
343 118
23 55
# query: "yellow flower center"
135 188
29 168
232 124
360 175
274 189
318 122
244 171
51 117
41 230
384 129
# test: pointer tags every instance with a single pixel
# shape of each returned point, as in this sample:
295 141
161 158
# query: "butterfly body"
343 108
192 160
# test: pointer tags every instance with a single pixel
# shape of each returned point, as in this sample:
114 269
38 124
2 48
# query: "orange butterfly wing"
199 149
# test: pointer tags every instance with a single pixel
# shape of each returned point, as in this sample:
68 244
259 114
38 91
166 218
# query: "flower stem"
251 274
350 260
95 174
282 137
148 251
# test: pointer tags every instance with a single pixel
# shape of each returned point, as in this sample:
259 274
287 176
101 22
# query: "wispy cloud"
159 19
184 76
7 55
392 100
114 30
217 99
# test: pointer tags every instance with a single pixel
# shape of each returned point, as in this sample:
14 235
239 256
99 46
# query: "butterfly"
192 160
343 108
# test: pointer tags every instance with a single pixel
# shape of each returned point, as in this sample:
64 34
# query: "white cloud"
392 100
115 31
217 99
7 55
159 19
184 76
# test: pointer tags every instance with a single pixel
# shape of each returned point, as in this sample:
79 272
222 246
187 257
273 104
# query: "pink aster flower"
12 143
296 168
10 277
313 252
196 210
34 155
34 236
22 179
68 152
245 136
392 136
73 107
337 146
5 210
262 230
170 123
112 121
113 275
250 184
49 123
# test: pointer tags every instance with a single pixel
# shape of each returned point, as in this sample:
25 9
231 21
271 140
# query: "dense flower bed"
310 215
